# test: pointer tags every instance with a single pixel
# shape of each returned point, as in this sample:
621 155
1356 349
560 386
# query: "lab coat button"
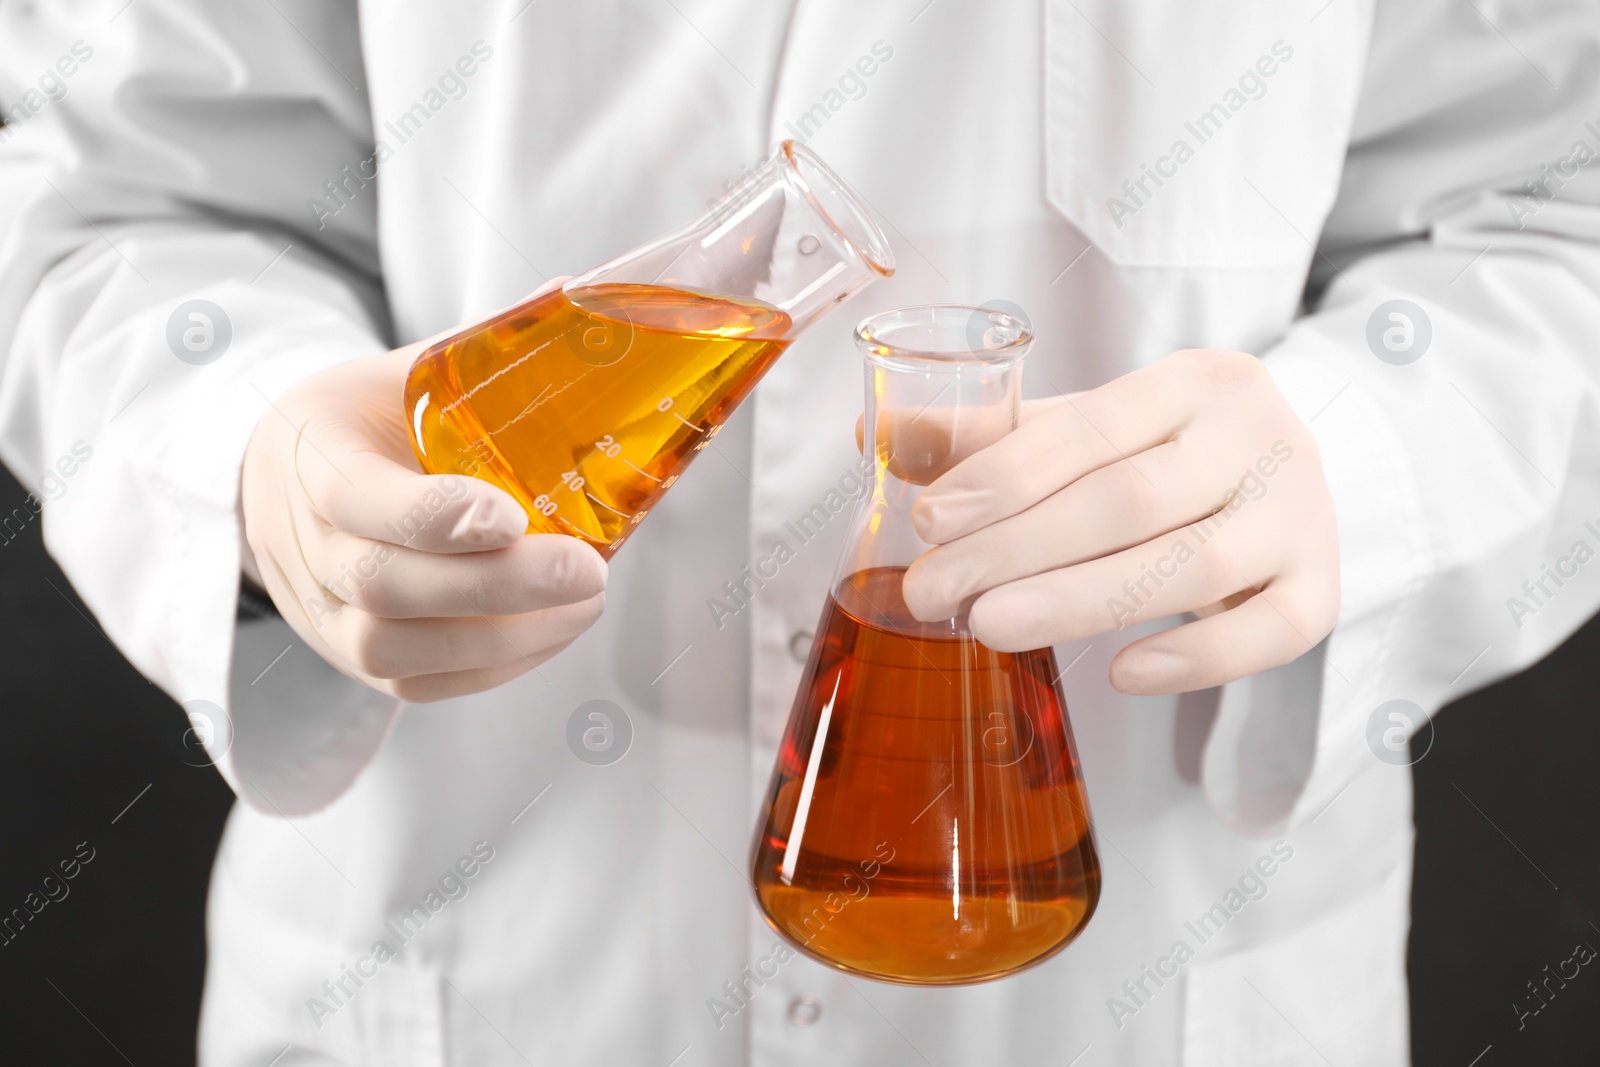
804 1010
800 645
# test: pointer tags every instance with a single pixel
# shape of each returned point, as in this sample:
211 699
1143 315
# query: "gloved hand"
421 586
1187 486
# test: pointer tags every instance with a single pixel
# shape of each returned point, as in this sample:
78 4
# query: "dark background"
112 973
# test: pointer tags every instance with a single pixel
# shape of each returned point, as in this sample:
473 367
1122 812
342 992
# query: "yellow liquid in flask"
587 405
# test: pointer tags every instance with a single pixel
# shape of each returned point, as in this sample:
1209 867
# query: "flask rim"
859 230
969 328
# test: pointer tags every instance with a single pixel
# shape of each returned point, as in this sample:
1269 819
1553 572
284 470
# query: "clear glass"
926 822
587 403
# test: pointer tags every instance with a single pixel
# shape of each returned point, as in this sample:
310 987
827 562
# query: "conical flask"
926 822
586 403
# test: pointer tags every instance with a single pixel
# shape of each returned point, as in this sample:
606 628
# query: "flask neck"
941 384
920 423
790 235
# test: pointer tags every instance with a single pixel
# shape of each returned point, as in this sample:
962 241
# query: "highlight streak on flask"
955 869
791 853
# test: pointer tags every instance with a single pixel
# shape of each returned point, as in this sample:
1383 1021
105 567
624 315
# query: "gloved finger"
1107 510
1056 447
408 648
293 589
355 487
1280 623
309 615
426 688
918 445
1044 405
1029 409
396 582
1181 571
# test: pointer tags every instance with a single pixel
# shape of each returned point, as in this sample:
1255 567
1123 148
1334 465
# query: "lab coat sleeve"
179 151
1467 482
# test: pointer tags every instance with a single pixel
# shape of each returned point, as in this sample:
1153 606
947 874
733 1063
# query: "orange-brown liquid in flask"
587 405
926 821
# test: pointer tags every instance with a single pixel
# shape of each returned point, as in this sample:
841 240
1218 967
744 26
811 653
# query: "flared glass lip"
840 206
931 337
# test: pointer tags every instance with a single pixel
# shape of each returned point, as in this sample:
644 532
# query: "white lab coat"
179 163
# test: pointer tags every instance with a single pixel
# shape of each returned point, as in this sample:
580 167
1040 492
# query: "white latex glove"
1187 486
421 586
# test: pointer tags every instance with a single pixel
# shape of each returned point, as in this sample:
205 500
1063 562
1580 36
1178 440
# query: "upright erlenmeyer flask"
586 403
926 821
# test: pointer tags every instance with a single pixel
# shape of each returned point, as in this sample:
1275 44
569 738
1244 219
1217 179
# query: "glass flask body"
586 403
926 822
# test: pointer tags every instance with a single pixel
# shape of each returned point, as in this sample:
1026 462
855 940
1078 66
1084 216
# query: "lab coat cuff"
287 732
1286 742
294 732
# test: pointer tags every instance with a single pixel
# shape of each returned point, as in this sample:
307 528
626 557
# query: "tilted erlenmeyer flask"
586 403
926 822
